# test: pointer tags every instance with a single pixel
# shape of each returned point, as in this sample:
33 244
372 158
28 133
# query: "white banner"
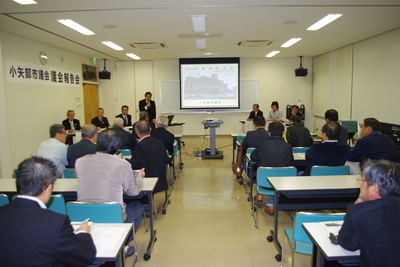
23 72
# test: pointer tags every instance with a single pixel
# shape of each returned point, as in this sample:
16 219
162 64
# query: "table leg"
274 233
120 262
153 237
233 149
178 139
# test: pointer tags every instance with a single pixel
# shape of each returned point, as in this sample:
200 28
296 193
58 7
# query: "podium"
212 153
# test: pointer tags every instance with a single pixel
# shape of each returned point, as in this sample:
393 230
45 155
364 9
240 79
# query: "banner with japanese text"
23 72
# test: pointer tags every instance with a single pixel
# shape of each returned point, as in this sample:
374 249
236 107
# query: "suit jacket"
253 138
273 152
128 140
151 110
166 137
344 136
373 227
80 149
67 125
150 154
374 146
326 154
33 236
103 124
252 114
152 126
129 119
298 136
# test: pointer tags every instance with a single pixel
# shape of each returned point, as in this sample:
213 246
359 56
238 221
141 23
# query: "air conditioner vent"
253 43
148 45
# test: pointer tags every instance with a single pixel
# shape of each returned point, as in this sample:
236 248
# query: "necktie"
126 120
101 121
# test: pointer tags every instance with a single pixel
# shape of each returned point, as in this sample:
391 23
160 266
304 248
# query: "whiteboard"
169 97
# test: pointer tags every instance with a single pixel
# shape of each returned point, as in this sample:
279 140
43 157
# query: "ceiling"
163 21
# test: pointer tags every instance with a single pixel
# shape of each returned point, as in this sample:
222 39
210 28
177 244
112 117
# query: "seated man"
127 118
163 135
100 121
254 137
103 177
143 116
273 152
372 223
256 112
35 236
329 152
373 145
55 149
333 115
296 111
85 146
128 141
70 123
150 154
297 135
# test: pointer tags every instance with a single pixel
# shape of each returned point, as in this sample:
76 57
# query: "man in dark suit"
150 154
254 137
84 147
143 116
333 115
297 135
128 141
100 121
329 152
372 223
148 105
127 118
256 112
35 236
70 123
295 110
163 135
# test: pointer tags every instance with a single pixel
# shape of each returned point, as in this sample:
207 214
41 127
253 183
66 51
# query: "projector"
211 119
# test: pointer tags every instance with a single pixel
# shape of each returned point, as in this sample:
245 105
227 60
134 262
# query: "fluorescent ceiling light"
272 53
324 21
201 43
204 54
131 55
112 45
291 42
25 2
200 35
199 23
75 26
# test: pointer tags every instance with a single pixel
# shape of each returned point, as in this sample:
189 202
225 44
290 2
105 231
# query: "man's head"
124 110
57 131
330 131
89 131
331 115
147 96
71 115
256 107
380 178
259 121
108 142
36 177
274 105
118 122
143 115
295 109
370 125
294 119
275 129
142 128
162 121
100 112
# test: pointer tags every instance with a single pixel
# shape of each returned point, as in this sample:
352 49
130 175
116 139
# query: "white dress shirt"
55 151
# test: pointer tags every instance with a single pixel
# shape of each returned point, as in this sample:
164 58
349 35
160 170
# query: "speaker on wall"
105 75
301 72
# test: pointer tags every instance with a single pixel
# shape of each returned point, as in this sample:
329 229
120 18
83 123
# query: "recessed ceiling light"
199 23
112 45
291 42
204 54
201 43
200 35
25 2
75 26
290 22
324 21
131 55
109 26
272 53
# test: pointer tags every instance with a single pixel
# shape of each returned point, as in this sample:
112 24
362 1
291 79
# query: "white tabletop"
296 156
320 234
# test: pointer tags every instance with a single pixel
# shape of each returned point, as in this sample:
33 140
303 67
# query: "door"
91 101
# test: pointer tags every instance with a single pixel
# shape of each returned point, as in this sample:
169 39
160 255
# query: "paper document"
333 227
106 238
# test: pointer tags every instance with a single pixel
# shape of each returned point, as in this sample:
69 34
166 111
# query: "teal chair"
299 149
4 199
124 152
69 173
109 212
57 204
329 170
298 239
263 187
246 164
352 129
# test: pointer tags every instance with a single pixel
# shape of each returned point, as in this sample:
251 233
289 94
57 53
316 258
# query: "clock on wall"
43 58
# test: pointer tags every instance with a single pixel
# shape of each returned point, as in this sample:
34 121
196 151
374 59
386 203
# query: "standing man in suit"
128 141
256 112
148 105
100 121
163 135
84 147
333 115
254 137
372 223
70 123
127 118
35 236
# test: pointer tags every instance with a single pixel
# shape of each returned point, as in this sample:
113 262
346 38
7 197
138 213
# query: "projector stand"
212 153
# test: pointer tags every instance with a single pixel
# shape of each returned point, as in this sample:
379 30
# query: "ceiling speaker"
105 75
301 72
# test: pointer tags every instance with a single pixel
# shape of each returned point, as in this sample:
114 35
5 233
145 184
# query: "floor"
209 222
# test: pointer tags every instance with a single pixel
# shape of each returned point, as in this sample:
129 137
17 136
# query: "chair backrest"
264 172
250 149
352 126
329 170
124 152
4 199
57 204
240 138
299 149
69 173
109 212
305 217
